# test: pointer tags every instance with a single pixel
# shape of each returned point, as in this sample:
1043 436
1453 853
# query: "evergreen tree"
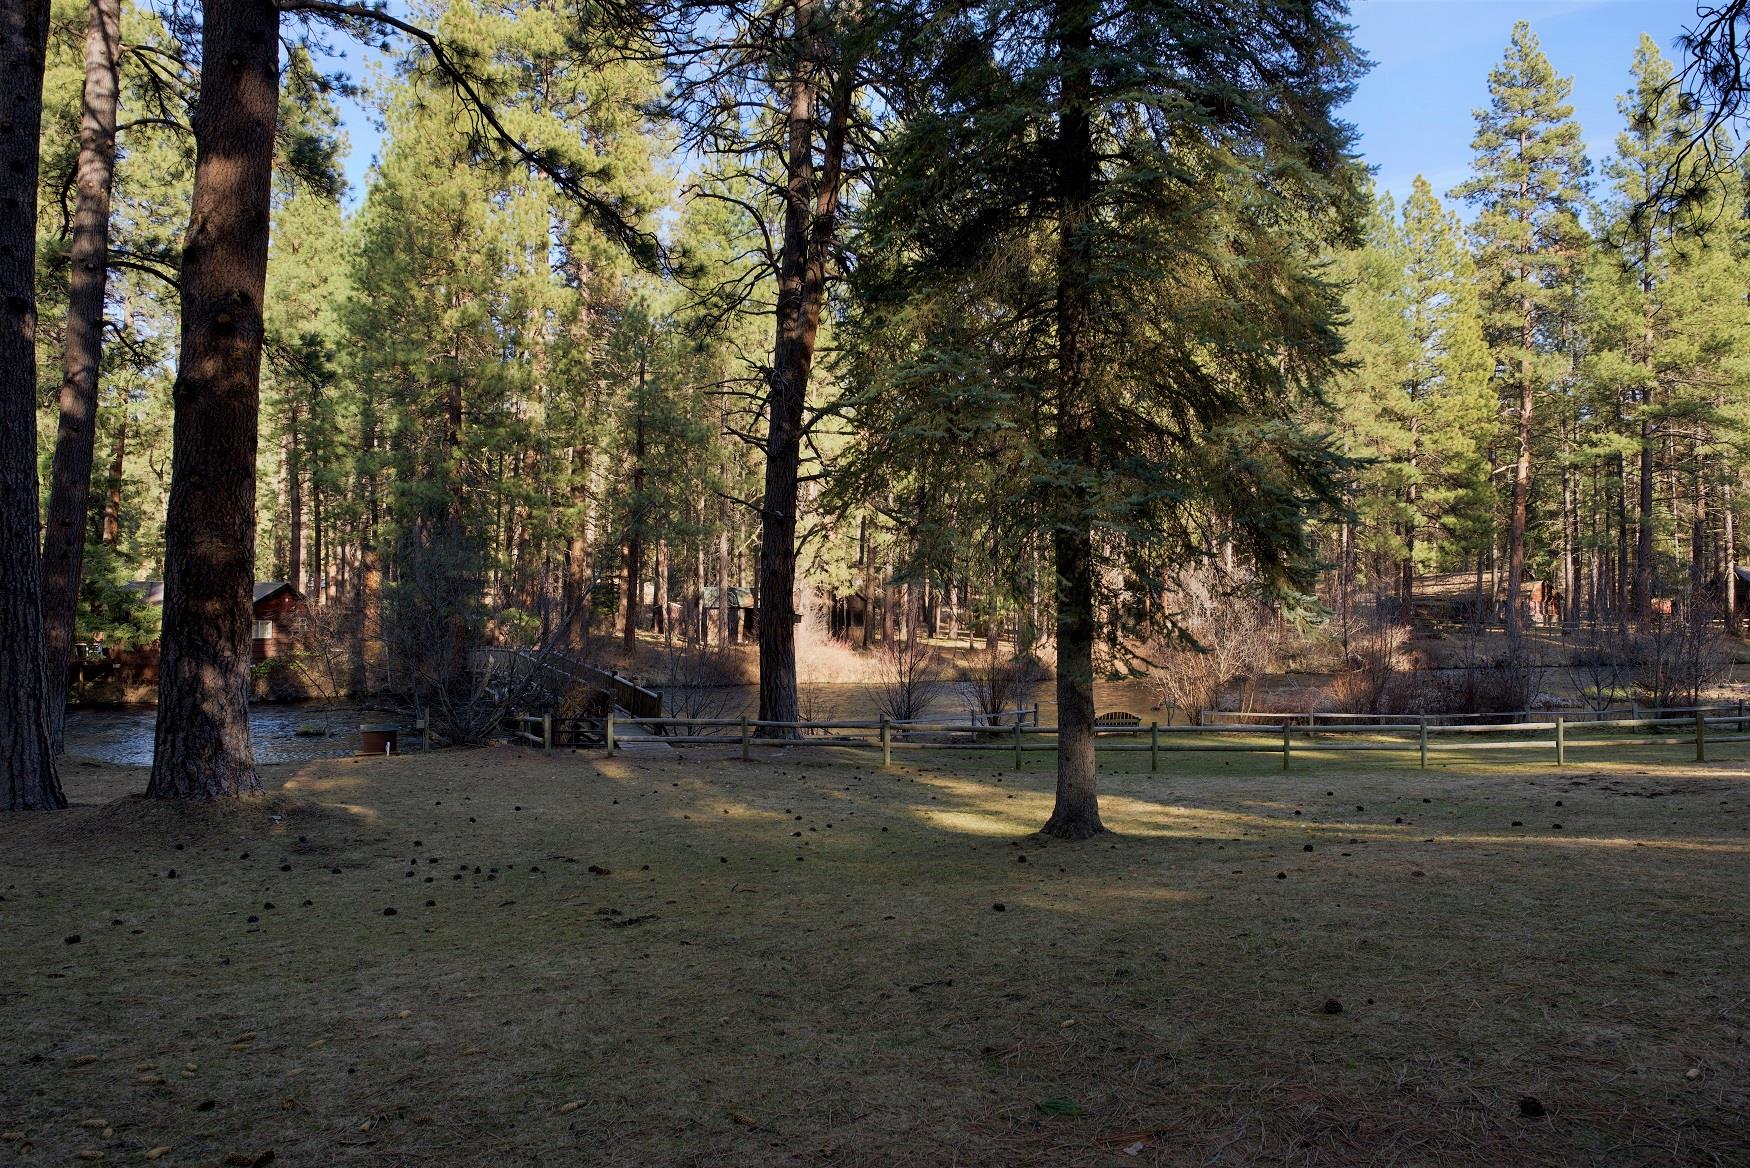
770 99
1530 169
25 753
1452 402
75 439
202 748
1372 412
1149 188
1666 294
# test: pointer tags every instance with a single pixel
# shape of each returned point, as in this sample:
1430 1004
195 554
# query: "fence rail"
1328 718
1421 737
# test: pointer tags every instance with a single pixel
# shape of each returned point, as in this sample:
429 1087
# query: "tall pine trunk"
118 452
76 436
811 201
294 502
575 593
792 358
1729 552
25 755
1076 812
1516 520
1643 585
635 530
202 748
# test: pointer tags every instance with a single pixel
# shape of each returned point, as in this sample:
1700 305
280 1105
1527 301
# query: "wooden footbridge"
553 674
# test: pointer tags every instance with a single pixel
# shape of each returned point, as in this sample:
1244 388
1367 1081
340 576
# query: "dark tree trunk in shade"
26 760
202 745
810 215
635 527
1076 812
76 436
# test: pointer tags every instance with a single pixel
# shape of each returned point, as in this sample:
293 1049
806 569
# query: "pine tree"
1666 292
1118 228
202 748
1453 404
1373 411
25 754
771 98
70 480
1530 169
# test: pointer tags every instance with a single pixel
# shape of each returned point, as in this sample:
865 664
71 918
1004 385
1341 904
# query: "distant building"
276 610
278 606
105 673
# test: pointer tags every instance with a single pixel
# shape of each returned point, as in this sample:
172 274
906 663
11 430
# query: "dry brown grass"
798 961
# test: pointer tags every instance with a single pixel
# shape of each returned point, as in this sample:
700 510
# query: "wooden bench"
1117 720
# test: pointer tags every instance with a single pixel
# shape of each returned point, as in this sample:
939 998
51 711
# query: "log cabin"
109 674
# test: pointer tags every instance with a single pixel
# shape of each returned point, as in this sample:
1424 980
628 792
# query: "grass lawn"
495 957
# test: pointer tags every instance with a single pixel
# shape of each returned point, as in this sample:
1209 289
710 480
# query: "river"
123 734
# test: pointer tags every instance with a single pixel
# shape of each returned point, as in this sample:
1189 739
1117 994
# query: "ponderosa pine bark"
25 757
811 202
635 527
202 748
1518 517
76 435
1076 812
1642 602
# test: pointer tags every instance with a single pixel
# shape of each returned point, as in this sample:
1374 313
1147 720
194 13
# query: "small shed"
743 613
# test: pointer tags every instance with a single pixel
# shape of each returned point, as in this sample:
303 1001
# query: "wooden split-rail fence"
1019 732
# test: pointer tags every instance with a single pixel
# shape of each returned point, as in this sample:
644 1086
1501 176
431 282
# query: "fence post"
1700 735
1740 715
609 727
1561 740
1154 747
1036 713
1287 747
745 754
1424 742
425 724
1017 744
886 742
547 731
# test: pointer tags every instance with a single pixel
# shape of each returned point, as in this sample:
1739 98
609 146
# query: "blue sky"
1431 65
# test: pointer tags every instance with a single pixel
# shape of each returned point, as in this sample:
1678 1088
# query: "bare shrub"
699 682
1600 670
1376 658
1507 684
1678 657
813 705
1222 637
907 678
997 684
324 656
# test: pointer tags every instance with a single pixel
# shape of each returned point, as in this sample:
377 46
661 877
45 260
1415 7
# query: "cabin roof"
152 591
738 597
